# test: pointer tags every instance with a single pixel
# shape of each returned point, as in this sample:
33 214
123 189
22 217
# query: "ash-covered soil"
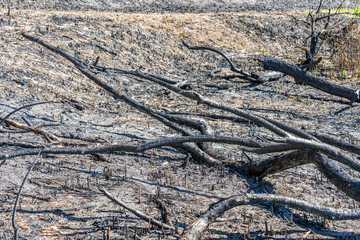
152 6
61 200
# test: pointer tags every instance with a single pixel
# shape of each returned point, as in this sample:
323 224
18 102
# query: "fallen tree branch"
195 230
18 198
32 129
343 181
232 65
301 76
275 164
134 211
332 152
48 135
338 143
253 77
70 150
130 147
22 107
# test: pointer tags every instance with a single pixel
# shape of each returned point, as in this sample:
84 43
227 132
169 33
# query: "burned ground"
61 199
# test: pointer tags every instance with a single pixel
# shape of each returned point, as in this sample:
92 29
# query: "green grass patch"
355 10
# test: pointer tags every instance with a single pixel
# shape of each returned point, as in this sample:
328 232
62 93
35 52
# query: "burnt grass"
60 199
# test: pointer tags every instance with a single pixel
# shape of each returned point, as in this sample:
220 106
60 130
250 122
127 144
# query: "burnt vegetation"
265 145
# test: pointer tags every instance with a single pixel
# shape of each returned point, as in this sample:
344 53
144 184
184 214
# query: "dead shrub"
345 46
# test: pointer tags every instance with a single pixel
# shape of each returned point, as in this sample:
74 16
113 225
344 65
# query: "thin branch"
134 211
130 147
18 109
70 150
253 77
133 72
232 66
32 129
195 230
335 14
18 198
48 135
319 7
175 141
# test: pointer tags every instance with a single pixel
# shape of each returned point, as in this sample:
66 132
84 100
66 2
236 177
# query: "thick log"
276 164
301 76
343 181
195 230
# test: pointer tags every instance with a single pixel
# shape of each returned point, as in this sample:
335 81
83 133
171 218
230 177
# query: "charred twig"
244 75
164 211
253 77
17 200
195 230
100 157
212 116
105 50
335 14
22 107
46 199
37 127
314 38
232 65
48 135
135 73
311 64
134 211
32 129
